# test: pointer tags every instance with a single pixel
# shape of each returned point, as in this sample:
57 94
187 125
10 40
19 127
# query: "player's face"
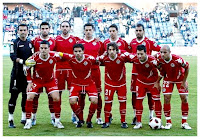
139 32
165 54
113 32
88 31
44 49
65 28
78 52
142 56
23 31
44 30
111 51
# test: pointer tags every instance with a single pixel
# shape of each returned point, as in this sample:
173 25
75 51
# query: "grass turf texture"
44 127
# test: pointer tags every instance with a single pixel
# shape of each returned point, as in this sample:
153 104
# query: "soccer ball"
30 62
155 123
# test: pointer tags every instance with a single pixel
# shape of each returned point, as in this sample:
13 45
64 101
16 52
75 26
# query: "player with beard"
44 35
150 46
64 43
20 50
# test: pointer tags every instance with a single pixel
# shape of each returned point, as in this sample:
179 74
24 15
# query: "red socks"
28 107
92 110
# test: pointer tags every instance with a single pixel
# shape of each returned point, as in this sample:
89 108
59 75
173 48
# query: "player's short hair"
114 45
22 25
141 47
114 26
78 45
140 25
44 23
88 24
66 22
45 42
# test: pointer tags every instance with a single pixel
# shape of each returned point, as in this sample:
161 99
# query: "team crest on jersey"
70 40
119 44
118 61
147 65
172 65
94 43
85 63
50 42
106 98
50 61
164 89
144 43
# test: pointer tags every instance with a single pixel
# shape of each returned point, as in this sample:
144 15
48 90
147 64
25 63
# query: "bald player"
174 69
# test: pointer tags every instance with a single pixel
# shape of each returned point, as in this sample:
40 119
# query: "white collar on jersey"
114 58
81 60
144 61
43 58
139 41
65 37
169 59
115 40
89 40
44 39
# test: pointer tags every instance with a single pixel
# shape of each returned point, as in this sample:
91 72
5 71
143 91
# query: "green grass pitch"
44 127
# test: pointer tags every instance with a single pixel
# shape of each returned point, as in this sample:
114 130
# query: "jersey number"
107 92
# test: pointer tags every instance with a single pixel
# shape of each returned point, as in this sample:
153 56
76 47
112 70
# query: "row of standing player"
64 43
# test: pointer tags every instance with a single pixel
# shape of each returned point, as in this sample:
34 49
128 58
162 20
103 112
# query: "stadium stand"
159 26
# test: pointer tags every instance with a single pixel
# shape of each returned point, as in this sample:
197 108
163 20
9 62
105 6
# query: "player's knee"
94 100
184 98
73 101
30 97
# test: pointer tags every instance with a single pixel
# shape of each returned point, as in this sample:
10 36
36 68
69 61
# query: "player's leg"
96 77
141 91
57 108
28 107
73 100
11 106
121 91
51 108
156 97
151 105
183 92
133 90
167 92
93 97
108 98
23 103
52 90
35 105
68 78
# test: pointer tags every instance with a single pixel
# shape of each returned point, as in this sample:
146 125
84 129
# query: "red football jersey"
36 43
115 71
43 71
91 47
81 70
147 71
122 44
64 45
150 45
174 69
